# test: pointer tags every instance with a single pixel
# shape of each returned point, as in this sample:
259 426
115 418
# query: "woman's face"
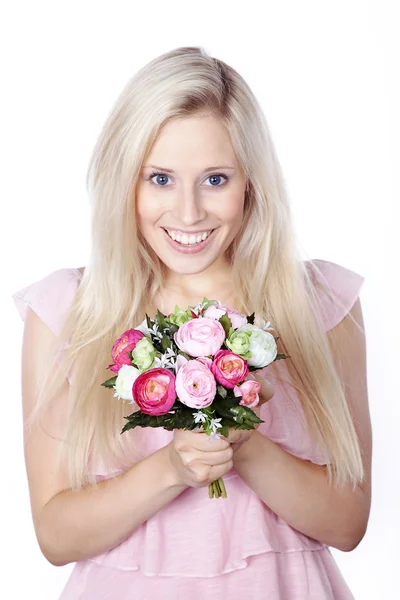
191 184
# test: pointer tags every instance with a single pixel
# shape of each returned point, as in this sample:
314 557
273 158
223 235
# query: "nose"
189 207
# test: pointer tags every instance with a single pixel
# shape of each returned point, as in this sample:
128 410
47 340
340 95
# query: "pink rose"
124 344
229 368
195 384
217 311
249 392
154 391
200 337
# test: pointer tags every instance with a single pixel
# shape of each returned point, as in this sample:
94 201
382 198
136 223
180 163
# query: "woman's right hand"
198 460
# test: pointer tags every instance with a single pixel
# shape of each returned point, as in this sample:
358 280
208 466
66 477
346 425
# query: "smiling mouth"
188 239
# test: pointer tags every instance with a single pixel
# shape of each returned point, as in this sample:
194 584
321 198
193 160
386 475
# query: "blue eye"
218 176
162 177
158 175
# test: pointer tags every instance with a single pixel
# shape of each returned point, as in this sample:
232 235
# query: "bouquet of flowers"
190 368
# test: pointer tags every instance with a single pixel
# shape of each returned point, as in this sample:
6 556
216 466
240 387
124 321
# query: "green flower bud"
239 343
179 316
143 354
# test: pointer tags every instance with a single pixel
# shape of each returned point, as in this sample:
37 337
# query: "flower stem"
223 488
217 489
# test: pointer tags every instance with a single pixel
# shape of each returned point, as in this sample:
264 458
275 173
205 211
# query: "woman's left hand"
237 437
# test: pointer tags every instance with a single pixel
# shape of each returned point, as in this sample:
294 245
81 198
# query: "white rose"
124 382
263 347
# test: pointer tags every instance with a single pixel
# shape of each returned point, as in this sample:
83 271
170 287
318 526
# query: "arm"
72 526
69 529
298 490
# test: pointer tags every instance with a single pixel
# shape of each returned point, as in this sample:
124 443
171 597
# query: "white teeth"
184 239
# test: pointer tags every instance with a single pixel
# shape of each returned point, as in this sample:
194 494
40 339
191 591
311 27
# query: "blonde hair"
124 274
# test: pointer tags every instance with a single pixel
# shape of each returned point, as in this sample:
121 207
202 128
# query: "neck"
190 291
216 279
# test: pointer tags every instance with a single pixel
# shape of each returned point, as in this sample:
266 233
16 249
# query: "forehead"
192 142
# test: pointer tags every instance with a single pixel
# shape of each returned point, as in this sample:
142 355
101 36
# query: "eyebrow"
204 171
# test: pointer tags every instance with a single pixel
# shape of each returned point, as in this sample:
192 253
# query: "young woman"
188 201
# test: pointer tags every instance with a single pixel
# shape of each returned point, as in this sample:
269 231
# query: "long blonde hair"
124 272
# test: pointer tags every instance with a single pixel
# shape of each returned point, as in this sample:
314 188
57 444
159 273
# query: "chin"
188 269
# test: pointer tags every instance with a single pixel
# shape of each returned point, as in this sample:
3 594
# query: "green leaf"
149 321
251 416
238 426
225 403
224 431
162 323
165 342
110 382
250 318
173 328
226 323
222 391
281 356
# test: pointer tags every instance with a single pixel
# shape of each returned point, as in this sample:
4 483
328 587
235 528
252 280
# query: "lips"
190 248
188 235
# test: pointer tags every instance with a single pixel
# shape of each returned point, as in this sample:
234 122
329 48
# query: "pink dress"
201 549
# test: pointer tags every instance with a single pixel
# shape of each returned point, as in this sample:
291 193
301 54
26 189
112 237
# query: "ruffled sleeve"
337 288
50 298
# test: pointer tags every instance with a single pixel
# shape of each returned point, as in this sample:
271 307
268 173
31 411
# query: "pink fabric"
246 550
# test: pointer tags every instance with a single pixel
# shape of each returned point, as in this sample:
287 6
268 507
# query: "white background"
326 74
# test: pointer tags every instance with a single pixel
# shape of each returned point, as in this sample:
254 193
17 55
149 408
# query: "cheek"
232 211
147 211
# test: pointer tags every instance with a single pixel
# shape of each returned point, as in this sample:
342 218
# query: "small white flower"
266 326
199 417
167 360
215 424
157 363
198 308
214 436
155 331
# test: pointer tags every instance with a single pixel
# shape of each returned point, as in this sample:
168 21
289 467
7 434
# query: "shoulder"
50 297
337 289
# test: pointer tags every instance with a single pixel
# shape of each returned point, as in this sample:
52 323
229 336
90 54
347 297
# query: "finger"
234 435
202 441
218 471
215 458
